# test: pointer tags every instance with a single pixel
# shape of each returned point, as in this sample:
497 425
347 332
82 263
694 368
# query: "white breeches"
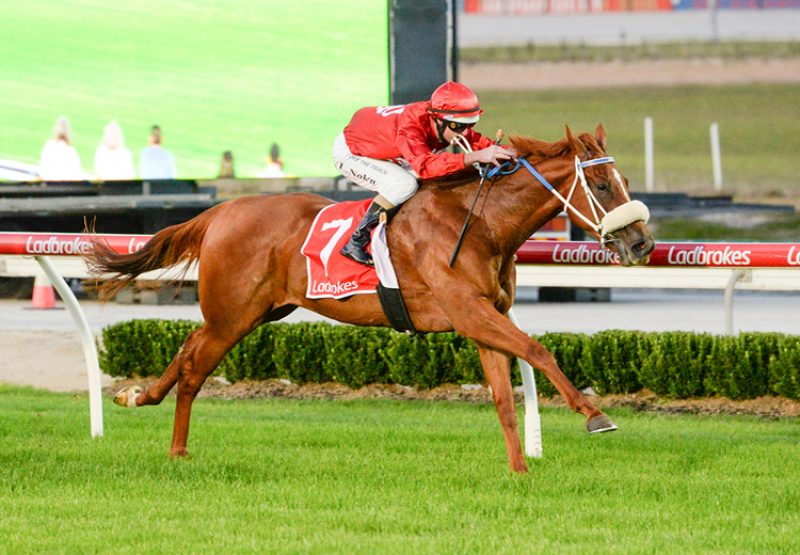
396 183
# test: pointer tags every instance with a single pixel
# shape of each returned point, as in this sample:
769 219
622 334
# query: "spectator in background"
112 160
155 161
226 170
274 167
59 161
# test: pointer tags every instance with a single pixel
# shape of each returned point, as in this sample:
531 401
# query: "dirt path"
541 76
44 359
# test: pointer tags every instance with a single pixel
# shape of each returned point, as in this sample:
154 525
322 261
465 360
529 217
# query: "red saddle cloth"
331 275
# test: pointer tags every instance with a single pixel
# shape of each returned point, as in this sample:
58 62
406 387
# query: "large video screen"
216 76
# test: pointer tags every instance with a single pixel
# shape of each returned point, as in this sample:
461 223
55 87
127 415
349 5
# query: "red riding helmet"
455 102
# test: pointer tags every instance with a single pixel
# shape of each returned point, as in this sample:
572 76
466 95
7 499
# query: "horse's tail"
172 245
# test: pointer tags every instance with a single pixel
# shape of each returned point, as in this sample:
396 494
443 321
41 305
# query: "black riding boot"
355 249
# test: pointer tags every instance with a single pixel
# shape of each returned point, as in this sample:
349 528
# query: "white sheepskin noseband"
623 215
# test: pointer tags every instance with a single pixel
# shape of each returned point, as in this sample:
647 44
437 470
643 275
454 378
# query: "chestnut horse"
251 270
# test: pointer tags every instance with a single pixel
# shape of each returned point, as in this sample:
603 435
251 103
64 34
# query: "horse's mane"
533 149
537 150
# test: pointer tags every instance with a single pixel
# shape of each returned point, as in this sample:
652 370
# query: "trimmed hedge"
674 364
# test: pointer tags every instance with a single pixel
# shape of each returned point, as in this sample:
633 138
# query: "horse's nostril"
643 247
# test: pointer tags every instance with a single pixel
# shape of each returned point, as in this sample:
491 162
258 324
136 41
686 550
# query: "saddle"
333 276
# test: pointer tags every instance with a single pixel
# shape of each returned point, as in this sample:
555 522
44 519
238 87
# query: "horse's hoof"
520 468
126 397
179 454
600 423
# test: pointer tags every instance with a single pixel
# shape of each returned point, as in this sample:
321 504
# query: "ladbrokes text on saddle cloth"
331 275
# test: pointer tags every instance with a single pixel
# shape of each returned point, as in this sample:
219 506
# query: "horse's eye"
602 186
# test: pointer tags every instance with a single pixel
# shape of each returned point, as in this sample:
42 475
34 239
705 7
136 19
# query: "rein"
484 172
603 222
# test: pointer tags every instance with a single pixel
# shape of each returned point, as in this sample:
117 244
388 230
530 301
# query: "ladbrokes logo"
333 288
793 258
584 255
76 246
53 245
135 244
699 256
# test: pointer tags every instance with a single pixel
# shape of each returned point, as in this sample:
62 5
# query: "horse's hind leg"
200 356
497 368
135 396
203 352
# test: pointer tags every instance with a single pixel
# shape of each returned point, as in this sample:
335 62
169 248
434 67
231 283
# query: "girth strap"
395 309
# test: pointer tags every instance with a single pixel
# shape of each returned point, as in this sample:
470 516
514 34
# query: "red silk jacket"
405 131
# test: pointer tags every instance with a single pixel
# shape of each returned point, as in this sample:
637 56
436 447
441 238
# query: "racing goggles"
458 127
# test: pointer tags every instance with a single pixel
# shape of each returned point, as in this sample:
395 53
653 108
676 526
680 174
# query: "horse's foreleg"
497 368
479 320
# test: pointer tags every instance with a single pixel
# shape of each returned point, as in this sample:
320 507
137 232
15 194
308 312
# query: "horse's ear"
600 136
577 146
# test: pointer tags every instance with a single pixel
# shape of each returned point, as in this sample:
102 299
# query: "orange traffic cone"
44 296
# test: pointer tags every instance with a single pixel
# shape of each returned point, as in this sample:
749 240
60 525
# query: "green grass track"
285 476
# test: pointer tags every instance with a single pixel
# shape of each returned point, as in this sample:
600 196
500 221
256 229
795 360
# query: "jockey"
387 148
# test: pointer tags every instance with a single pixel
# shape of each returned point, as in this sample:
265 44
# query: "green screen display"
235 75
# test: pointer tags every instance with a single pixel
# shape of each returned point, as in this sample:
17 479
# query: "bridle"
604 223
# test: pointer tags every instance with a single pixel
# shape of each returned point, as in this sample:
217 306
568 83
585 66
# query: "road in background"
629 27
630 309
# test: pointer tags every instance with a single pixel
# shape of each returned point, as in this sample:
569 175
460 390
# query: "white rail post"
736 276
87 339
533 422
716 160
713 9
649 177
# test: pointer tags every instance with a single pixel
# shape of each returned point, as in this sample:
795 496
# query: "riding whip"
498 138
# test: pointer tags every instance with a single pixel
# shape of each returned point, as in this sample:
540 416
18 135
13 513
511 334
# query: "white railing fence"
725 266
